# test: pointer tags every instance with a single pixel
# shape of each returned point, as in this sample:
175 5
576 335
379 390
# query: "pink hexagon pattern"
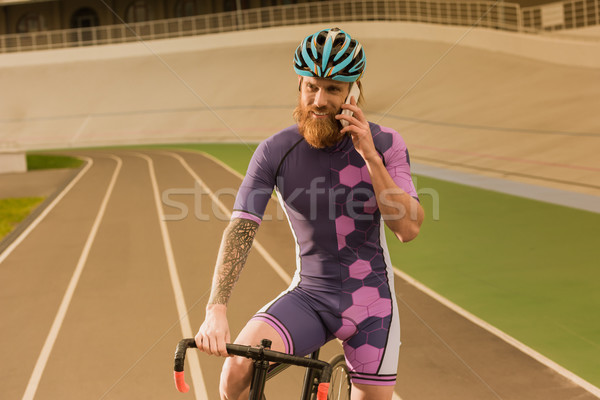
367 353
350 176
356 313
365 296
371 205
344 225
364 174
350 353
341 241
370 367
380 308
346 330
360 269
369 357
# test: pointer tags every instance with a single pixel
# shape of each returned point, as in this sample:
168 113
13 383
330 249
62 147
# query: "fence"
487 14
567 14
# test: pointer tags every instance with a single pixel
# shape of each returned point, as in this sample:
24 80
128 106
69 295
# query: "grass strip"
13 211
43 161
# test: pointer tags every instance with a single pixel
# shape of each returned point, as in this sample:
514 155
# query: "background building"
25 16
22 16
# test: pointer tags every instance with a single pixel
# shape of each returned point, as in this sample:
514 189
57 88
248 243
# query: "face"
320 100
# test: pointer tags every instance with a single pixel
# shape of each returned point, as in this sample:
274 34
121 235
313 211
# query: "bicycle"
322 380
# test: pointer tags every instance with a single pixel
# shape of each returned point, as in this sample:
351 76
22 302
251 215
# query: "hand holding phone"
354 91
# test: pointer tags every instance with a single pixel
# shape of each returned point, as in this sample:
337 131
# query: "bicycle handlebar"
182 346
255 353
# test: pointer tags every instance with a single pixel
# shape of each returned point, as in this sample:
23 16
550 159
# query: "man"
336 185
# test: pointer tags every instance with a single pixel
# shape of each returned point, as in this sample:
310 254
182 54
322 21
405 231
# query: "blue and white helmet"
330 53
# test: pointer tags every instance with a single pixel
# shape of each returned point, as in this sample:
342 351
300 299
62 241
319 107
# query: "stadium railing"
569 14
487 14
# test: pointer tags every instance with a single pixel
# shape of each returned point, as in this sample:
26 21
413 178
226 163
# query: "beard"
318 132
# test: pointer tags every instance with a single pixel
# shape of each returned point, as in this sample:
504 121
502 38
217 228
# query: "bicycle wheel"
339 386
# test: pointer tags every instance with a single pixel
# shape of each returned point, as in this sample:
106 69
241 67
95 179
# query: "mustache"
321 110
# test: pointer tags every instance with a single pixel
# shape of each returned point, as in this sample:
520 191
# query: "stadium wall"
240 86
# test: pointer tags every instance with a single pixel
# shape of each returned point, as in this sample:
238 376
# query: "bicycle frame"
309 376
262 356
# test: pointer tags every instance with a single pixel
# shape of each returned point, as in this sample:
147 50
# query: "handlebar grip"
178 375
322 391
180 382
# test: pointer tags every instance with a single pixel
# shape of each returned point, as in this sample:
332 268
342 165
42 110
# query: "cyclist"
337 185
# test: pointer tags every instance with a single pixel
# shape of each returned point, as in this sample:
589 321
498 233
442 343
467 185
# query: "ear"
299 81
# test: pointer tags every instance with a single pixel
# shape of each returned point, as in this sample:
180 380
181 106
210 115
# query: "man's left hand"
359 131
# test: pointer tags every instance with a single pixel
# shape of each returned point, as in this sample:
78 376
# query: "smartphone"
354 91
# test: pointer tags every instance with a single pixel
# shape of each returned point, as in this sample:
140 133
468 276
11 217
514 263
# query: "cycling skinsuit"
344 284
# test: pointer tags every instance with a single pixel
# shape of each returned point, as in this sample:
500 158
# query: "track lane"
122 320
442 346
36 273
195 244
47 349
182 310
134 300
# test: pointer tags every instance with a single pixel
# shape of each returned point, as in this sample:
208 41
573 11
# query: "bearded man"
339 184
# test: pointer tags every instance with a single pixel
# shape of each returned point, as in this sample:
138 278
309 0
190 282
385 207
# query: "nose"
320 99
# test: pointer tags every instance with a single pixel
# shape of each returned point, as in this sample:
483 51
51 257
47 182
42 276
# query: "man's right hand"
214 331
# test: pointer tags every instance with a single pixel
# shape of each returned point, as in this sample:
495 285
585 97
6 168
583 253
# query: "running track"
99 289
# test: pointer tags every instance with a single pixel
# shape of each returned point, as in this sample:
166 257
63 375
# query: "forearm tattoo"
236 244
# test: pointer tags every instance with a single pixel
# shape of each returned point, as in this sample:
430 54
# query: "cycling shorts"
370 333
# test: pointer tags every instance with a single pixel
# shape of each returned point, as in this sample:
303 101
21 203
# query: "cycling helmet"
330 53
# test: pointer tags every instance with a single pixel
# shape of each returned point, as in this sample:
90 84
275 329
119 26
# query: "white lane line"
42 360
217 161
263 252
46 211
182 310
505 337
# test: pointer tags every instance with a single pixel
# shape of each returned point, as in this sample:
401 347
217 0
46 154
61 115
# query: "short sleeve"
256 188
397 161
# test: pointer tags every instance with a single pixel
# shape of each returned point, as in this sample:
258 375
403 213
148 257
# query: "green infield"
44 161
13 211
529 268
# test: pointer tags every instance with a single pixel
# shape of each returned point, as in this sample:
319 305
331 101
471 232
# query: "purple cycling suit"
344 284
